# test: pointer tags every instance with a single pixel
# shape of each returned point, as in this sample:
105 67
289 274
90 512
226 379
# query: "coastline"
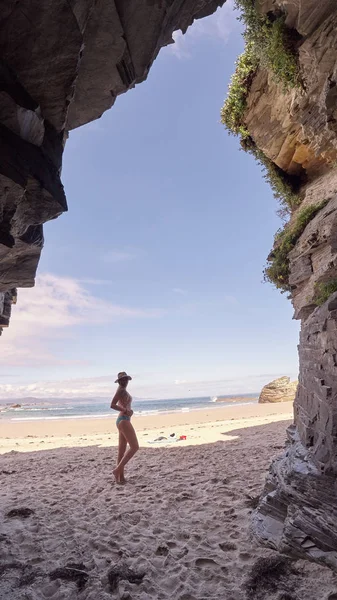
199 426
6 417
45 411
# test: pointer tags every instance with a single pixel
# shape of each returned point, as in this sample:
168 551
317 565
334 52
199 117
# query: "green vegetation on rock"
284 187
273 43
268 43
277 272
273 46
234 107
323 291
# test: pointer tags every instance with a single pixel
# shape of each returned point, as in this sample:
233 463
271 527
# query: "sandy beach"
179 529
29 435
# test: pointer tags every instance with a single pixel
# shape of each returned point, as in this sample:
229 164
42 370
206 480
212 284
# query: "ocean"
84 409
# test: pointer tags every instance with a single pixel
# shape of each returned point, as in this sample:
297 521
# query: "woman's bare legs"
122 443
126 429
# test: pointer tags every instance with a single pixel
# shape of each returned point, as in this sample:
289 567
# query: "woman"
127 435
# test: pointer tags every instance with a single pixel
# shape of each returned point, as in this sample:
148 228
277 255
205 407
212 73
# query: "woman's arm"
116 402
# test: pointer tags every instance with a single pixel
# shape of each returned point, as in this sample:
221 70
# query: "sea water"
78 408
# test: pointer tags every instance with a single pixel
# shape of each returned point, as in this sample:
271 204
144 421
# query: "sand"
178 530
27 435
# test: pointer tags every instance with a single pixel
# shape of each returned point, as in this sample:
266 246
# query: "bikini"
122 418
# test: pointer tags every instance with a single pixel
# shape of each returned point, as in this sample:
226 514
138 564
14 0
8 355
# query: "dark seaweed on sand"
71 572
23 513
269 575
27 573
118 573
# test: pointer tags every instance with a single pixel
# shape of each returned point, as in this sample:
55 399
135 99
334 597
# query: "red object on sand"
182 437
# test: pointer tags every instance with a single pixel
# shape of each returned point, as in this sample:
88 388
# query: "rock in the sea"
279 390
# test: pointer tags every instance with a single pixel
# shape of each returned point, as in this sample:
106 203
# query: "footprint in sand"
234 535
228 546
51 589
205 562
162 550
245 556
229 511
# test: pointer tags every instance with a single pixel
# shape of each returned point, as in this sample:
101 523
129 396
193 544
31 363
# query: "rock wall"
62 64
6 301
297 130
297 514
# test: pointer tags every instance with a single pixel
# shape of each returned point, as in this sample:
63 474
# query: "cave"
63 64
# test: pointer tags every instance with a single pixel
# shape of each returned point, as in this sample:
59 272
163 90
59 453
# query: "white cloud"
218 26
142 387
179 291
71 388
61 301
51 310
95 281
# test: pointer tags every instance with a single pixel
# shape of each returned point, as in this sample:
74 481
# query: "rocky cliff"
279 390
63 63
290 125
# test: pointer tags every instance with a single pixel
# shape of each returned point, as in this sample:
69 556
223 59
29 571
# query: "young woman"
127 435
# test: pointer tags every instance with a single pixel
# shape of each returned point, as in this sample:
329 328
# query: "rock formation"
298 510
279 390
295 132
63 63
6 300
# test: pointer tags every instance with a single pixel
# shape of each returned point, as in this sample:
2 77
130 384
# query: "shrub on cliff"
277 272
284 186
323 291
271 44
274 44
235 105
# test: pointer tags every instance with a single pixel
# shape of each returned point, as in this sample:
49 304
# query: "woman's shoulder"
121 393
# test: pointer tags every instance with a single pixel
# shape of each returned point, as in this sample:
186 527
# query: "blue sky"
157 267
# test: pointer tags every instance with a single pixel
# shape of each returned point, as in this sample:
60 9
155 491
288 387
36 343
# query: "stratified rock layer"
279 390
297 129
6 301
63 63
298 510
297 513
